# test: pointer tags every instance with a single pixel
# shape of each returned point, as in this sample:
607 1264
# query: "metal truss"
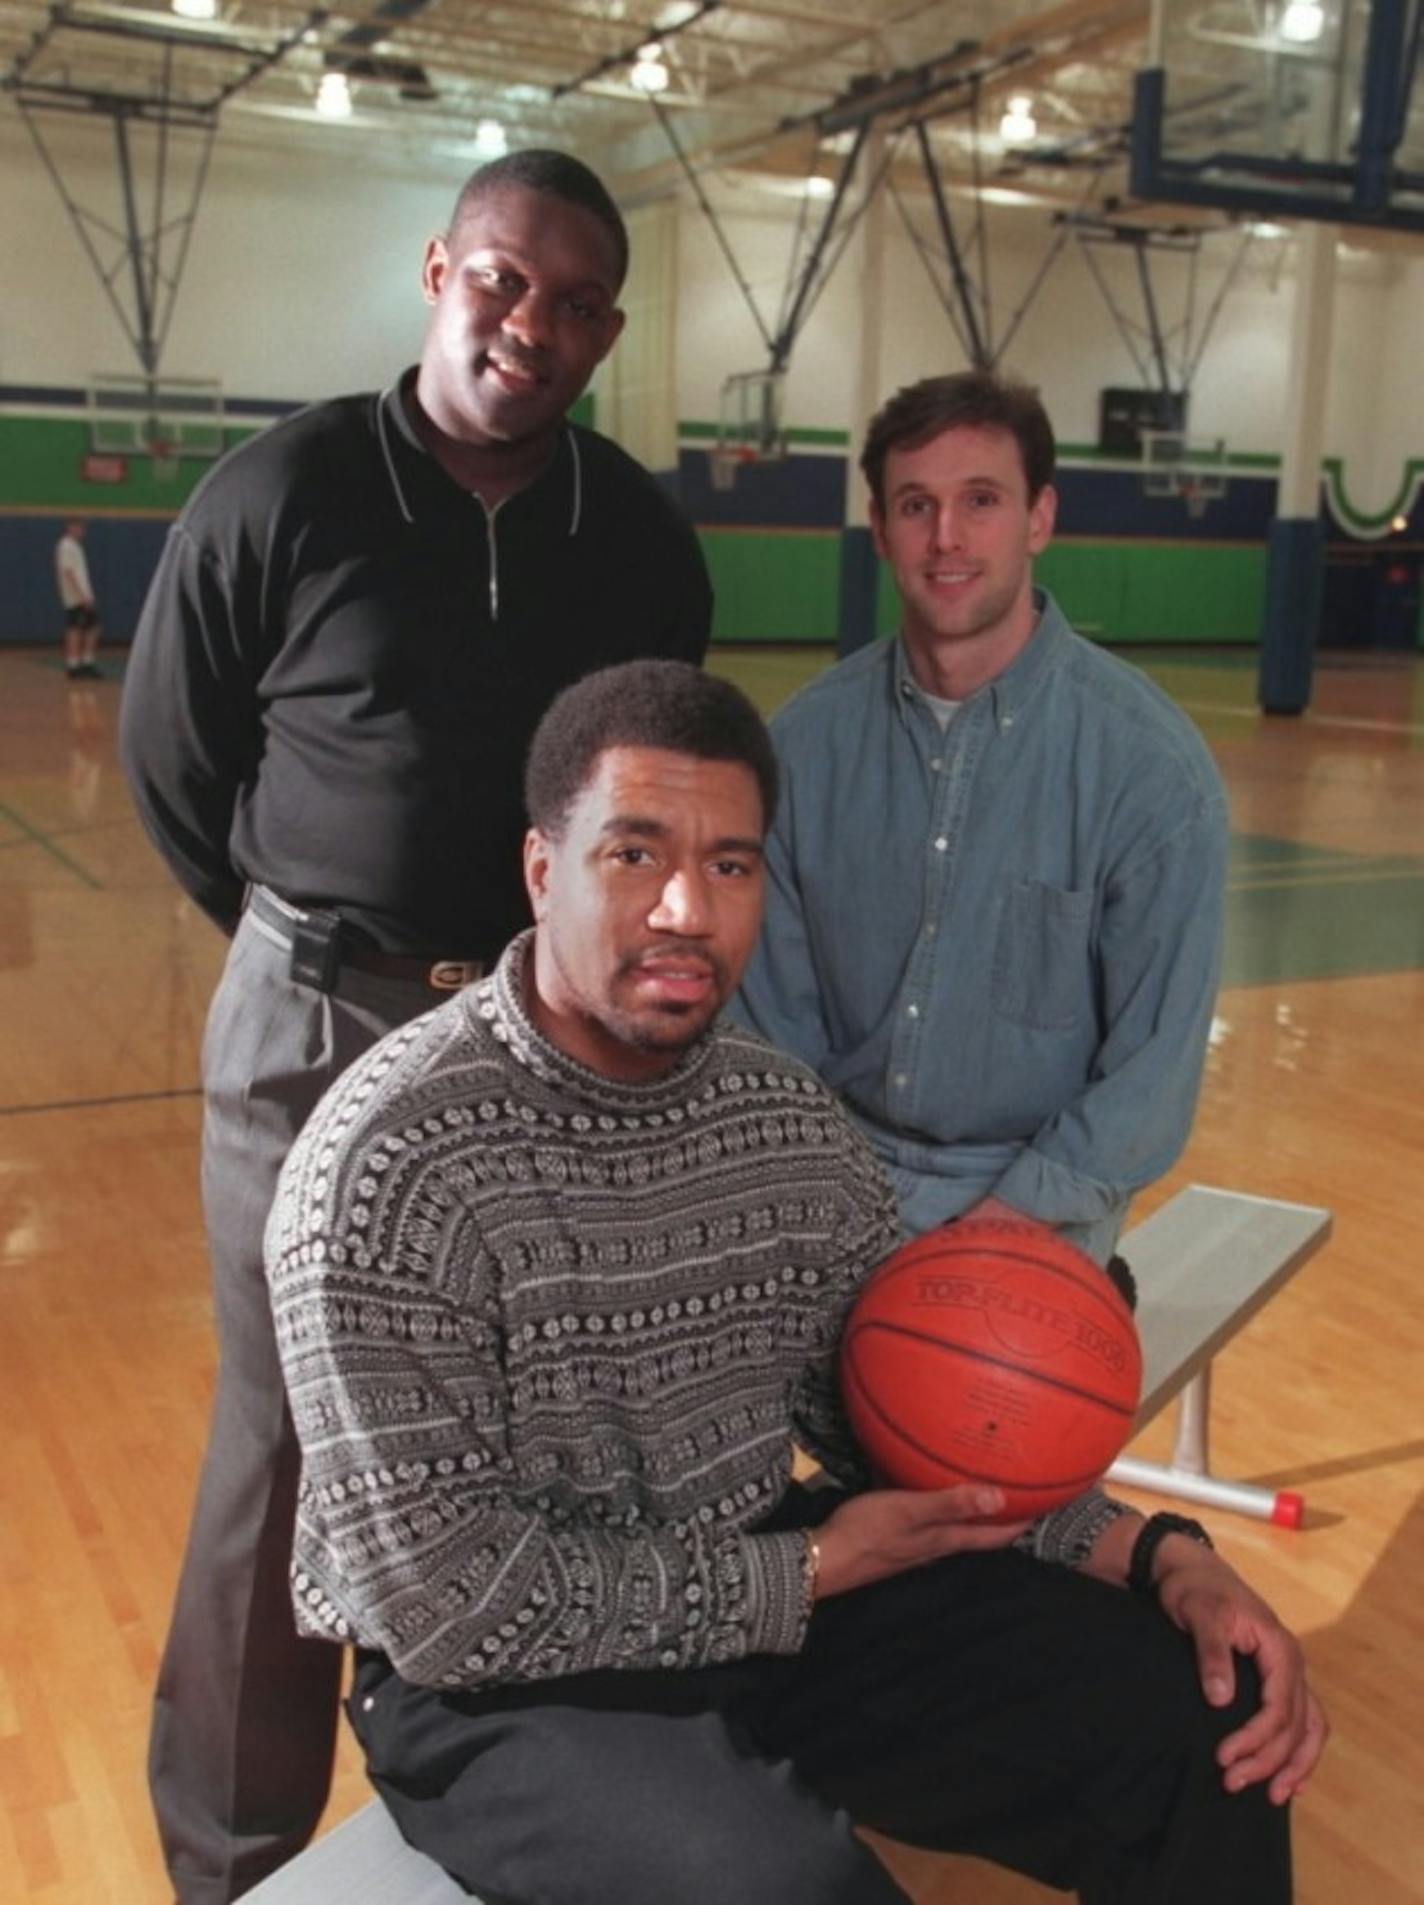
146 251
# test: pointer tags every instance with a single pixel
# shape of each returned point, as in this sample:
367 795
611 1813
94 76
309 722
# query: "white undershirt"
942 710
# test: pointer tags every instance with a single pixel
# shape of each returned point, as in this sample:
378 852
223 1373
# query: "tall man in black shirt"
355 626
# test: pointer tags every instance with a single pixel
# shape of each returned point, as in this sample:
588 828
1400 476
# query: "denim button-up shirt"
1000 941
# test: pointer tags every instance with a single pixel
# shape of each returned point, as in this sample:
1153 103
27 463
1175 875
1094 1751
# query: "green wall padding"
1159 592
41 458
1142 592
773 586
40 468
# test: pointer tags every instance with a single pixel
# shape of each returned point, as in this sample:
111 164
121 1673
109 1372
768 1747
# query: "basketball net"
725 460
1195 498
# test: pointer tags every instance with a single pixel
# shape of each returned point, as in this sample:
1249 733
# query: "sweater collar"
498 1003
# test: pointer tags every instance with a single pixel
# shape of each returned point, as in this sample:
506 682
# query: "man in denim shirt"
993 918
995 883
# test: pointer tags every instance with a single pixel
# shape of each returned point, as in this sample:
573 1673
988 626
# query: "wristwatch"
1150 1537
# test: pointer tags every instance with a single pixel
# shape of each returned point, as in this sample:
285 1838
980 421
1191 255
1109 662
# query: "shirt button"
936 764
1007 722
940 844
913 1010
901 1079
931 928
368 1703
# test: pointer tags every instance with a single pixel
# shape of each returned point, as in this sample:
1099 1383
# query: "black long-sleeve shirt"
343 657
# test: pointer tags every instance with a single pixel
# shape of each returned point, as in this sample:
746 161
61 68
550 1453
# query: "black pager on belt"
316 949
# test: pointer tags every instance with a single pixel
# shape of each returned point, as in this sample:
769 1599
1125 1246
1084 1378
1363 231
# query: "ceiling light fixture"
333 96
491 141
649 74
196 9
1018 127
1302 21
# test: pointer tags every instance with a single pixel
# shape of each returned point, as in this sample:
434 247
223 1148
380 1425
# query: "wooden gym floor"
1313 1092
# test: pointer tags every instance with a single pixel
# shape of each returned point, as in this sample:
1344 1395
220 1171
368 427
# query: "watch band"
1150 1537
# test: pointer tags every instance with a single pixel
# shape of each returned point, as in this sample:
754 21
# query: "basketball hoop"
1193 469
725 460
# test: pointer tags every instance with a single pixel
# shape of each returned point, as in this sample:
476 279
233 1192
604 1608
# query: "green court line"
1264 864
1259 862
1270 848
85 829
1285 921
102 1104
1364 874
35 838
1304 872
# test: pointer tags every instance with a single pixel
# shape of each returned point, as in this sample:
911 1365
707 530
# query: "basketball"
991 1351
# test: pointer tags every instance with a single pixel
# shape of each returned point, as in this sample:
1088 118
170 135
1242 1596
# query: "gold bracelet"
813 1563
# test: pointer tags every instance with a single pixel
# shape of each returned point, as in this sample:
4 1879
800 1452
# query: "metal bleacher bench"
1205 1263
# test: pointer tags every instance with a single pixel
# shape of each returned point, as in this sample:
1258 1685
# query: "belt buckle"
449 975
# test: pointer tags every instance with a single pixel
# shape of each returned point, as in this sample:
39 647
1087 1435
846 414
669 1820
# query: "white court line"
1315 720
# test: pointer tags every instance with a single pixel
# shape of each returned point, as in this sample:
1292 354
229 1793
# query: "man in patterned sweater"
559 1272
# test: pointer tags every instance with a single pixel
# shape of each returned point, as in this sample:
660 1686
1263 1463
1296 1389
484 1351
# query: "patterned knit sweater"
548 1339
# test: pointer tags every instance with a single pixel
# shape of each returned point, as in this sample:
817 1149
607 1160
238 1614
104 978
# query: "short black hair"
541 169
966 400
663 704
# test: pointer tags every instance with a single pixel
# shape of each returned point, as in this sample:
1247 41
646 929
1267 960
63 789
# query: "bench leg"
1189 1451
1189 1475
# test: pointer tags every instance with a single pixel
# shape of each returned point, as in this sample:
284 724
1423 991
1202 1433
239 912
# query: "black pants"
988 1704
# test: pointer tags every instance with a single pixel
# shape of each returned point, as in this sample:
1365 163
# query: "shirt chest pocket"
1042 968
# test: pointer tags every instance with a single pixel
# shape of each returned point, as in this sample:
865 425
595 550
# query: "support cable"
847 233
797 241
1154 324
77 216
978 345
1050 258
1248 239
981 223
710 215
804 301
922 246
1113 311
160 182
188 222
134 248
1187 326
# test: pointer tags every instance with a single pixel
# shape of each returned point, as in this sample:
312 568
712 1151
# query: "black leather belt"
320 948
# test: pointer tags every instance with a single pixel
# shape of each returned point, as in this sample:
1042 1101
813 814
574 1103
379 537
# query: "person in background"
76 597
